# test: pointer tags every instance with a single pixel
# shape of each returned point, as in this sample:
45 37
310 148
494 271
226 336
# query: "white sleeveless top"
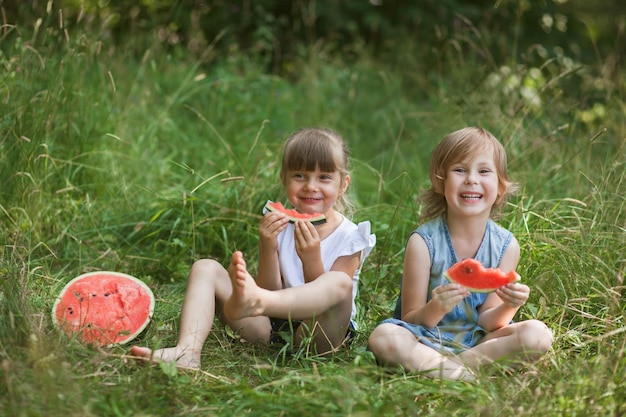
346 239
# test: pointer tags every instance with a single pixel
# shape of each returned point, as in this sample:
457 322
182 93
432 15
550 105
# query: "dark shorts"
283 331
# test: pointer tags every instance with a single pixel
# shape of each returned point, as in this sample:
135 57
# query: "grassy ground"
143 164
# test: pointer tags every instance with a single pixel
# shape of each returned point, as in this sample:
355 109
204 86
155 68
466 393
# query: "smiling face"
471 186
466 149
314 191
314 170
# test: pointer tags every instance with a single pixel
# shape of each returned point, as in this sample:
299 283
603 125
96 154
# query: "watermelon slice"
471 274
293 215
104 308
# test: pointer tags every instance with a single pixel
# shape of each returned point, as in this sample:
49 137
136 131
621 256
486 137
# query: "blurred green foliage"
280 30
516 45
140 136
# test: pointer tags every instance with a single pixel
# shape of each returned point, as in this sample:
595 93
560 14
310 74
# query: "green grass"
144 165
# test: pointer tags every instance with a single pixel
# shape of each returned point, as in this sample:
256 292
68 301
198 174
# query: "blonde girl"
440 328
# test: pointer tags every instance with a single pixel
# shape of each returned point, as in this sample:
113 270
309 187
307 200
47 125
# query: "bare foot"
183 358
245 300
462 374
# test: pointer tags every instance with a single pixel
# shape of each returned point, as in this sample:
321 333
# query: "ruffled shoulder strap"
365 229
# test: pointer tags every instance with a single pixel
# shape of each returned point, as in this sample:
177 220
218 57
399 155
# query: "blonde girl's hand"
271 225
514 295
449 295
307 241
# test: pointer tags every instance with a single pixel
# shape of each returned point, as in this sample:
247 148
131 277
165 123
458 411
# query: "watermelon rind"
315 219
130 295
480 273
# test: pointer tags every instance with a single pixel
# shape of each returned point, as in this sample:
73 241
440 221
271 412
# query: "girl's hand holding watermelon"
449 295
514 295
307 241
270 227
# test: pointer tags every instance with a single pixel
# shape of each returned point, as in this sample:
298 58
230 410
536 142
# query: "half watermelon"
104 308
293 215
471 274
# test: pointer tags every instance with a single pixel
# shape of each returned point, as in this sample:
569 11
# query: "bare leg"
394 345
207 288
519 342
326 302
522 342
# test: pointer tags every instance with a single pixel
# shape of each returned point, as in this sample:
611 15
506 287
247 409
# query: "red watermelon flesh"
104 308
471 274
294 215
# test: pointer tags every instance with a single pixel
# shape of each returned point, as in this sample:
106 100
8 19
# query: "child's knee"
340 284
536 336
381 340
347 286
205 267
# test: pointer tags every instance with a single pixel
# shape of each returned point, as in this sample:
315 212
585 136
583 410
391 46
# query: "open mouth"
309 204
310 200
471 196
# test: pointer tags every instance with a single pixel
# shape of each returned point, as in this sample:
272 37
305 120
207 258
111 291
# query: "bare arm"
308 247
415 280
500 307
271 225
347 264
